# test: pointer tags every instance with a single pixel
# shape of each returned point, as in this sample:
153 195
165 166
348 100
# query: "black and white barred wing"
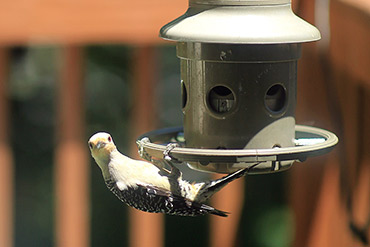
152 199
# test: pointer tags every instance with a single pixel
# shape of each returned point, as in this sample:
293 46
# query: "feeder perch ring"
309 141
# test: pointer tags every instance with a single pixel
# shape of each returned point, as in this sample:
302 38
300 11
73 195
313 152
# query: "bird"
150 187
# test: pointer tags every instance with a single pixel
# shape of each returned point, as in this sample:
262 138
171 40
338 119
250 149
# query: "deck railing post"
223 231
6 158
72 170
145 229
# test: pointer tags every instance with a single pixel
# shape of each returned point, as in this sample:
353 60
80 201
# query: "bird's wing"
154 199
178 205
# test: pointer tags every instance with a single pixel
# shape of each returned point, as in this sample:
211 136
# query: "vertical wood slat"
340 175
72 171
344 195
306 182
329 219
6 158
361 196
223 231
145 229
306 179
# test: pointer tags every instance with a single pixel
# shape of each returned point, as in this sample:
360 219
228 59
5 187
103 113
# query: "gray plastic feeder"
239 80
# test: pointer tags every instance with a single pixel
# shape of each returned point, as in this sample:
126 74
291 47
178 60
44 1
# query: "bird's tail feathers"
214 211
213 186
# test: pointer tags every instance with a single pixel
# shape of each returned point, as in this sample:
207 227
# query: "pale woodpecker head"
101 145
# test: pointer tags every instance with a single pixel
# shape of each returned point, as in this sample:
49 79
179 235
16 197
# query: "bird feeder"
238 63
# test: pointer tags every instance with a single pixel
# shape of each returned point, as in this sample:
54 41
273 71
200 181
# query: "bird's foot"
169 160
167 152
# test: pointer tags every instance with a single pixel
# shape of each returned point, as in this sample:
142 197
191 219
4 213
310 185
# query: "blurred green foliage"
266 219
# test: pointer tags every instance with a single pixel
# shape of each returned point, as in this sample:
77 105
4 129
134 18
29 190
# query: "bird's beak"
100 145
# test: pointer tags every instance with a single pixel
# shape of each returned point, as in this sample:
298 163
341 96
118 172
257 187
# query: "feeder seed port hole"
309 141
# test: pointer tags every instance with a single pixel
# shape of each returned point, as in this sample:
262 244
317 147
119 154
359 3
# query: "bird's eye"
90 145
109 138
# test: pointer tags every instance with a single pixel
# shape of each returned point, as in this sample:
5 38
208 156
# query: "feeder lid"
240 22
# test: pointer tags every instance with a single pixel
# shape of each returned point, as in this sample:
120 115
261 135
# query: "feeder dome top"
240 22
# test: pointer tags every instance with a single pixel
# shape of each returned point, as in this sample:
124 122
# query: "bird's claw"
167 152
175 172
143 154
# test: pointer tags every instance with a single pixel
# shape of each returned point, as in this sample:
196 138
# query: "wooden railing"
6 159
331 197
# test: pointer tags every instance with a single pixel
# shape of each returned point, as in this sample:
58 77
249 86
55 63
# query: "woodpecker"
151 187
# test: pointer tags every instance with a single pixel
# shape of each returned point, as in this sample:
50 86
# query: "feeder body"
238 76
238 96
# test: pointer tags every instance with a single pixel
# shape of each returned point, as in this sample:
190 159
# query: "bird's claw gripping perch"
167 153
141 150
169 160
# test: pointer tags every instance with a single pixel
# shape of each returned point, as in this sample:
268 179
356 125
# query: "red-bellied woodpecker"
152 188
